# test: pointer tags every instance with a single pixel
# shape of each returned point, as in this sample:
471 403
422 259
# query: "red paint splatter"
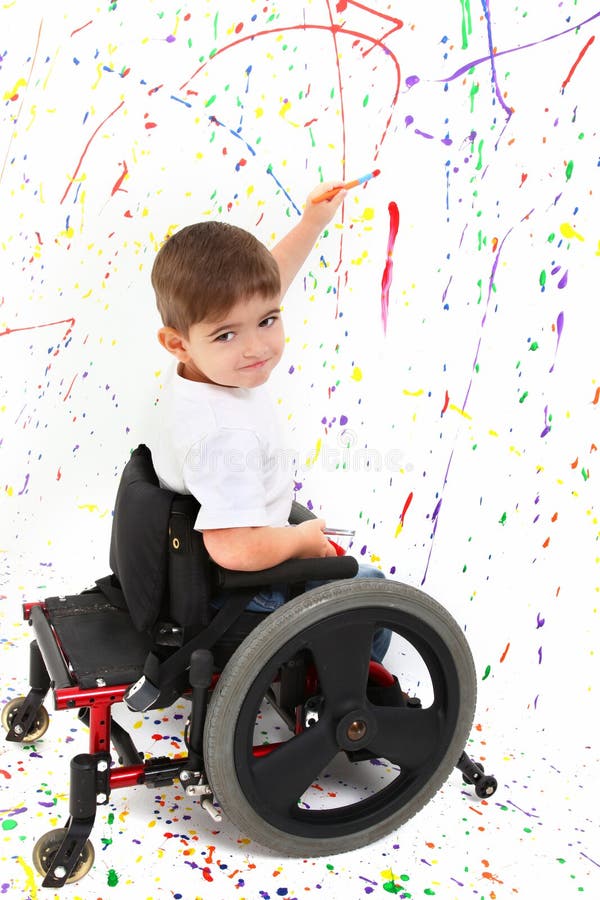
407 503
120 179
87 147
503 657
70 388
577 61
386 279
45 325
81 27
446 402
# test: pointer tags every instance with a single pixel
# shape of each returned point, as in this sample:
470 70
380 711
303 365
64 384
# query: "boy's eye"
266 323
225 337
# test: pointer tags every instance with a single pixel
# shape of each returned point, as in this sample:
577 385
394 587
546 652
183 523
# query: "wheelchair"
278 701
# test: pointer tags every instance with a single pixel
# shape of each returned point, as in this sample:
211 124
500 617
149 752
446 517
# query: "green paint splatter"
391 887
112 879
474 90
211 100
543 277
8 824
479 146
366 100
523 397
466 25
569 169
502 519
534 345
488 669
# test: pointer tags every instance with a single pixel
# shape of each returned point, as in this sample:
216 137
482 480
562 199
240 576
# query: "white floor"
538 837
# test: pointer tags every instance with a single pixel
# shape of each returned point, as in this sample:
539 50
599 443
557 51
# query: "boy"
219 291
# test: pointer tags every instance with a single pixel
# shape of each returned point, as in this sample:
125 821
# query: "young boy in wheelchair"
219 291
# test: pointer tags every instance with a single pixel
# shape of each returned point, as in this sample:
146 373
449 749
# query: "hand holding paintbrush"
333 192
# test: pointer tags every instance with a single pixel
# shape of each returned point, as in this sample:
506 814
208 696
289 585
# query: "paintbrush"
328 195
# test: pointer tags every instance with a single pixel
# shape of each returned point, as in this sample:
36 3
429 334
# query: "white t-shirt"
224 446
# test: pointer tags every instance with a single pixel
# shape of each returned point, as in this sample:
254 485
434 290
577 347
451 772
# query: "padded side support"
292 571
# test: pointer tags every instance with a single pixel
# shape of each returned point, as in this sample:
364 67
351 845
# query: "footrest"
100 642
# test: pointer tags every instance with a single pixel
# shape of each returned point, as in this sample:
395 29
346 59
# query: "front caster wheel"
485 785
46 849
38 727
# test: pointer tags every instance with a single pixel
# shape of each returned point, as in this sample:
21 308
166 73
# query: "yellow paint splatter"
356 374
12 95
310 461
569 232
413 393
461 412
30 884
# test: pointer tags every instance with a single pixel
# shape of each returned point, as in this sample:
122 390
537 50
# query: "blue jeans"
269 600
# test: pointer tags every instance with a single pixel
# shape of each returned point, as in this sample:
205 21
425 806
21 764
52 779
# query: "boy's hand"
320 214
314 542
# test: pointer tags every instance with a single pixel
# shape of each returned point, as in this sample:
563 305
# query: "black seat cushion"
100 641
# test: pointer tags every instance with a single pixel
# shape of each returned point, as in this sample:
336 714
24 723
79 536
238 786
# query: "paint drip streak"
386 279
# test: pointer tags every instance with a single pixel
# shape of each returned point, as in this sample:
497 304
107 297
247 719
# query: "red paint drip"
577 61
120 179
386 280
86 148
405 507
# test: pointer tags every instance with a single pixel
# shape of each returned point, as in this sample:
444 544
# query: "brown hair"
203 270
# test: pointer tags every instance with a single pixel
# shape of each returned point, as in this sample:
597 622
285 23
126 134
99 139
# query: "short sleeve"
226 473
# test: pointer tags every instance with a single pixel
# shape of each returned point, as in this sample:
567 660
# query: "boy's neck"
191 374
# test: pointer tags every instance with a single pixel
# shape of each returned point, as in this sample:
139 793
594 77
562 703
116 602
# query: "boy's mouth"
256 365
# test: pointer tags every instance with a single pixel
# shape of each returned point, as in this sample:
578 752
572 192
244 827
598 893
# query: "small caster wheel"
46 849
486 786
38 727
466 779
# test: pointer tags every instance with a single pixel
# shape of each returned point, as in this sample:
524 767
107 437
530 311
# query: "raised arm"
292 250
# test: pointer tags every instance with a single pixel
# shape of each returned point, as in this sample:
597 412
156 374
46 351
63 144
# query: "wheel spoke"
405 736
283 775
342 654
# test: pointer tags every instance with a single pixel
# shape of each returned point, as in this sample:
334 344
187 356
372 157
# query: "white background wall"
483 393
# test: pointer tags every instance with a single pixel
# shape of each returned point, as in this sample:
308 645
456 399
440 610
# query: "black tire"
419 747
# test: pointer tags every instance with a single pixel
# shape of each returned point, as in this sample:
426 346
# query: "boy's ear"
173 341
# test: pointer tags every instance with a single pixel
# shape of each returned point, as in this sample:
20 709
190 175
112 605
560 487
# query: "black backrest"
155 553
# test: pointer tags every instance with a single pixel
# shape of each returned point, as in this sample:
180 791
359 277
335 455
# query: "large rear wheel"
348 761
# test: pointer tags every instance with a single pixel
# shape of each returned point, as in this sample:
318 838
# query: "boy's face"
240 350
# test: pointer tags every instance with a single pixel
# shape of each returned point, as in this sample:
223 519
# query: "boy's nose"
254 346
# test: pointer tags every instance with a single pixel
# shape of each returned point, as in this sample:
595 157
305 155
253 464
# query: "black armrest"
292 571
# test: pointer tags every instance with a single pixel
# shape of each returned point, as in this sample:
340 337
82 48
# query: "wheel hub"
355 730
